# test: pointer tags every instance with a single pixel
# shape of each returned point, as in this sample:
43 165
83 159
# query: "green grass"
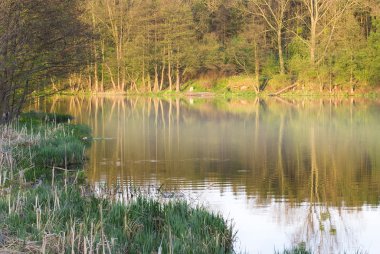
60 143
144 225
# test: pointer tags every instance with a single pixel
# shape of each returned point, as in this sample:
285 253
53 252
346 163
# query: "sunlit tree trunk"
155 86
162 71
95 70
170 71
313 42
103 61
177 78
257 68
280 53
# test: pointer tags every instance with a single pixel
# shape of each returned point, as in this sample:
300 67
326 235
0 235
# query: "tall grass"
15 151
37 143
59 220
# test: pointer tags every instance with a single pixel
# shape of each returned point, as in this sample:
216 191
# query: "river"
283 171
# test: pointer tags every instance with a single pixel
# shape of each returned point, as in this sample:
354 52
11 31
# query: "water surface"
285 171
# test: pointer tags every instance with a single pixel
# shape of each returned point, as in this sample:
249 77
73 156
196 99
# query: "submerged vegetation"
46 206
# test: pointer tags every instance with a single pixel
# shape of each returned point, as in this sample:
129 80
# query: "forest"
172 45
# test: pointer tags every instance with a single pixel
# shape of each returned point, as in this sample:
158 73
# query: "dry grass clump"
14 151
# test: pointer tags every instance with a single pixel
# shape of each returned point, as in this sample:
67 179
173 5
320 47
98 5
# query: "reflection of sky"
275 226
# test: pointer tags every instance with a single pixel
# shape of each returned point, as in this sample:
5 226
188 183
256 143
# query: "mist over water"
285 171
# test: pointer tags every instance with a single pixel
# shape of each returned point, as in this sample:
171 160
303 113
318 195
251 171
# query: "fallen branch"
283 90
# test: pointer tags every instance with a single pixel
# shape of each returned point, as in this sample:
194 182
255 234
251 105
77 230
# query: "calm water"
285 171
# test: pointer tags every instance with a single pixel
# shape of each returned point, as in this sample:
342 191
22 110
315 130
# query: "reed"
56 219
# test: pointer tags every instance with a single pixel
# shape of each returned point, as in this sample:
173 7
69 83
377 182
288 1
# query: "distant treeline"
151 45
154 45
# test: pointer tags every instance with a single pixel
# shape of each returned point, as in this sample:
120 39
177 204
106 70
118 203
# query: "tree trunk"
95 55
149 84
162 77
102 74
177 86
257 69
170 73
155 88
112 79
280 53
143 72
313 42
89 82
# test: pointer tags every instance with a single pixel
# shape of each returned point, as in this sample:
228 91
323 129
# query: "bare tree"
273 13
39 41
321 20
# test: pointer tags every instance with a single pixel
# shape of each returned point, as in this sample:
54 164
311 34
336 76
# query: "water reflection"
286 171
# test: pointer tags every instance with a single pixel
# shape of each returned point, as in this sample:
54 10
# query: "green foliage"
270 67
240 52
299 62
373 54
210 54
278 81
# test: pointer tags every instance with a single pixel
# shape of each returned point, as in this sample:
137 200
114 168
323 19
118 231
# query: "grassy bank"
46 206
236 87
59 219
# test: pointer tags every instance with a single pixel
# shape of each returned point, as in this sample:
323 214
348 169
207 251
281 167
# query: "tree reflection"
324 153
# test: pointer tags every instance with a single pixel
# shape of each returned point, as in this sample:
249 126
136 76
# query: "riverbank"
47 207
238 87
226 95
